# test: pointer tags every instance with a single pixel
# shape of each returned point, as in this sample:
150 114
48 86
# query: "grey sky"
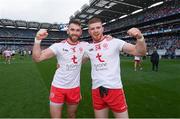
51 11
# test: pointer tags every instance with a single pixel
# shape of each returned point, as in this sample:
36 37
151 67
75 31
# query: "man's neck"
99 40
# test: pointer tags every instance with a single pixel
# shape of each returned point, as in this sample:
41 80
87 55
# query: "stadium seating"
160 26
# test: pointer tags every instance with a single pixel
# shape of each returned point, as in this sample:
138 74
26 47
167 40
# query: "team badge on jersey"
73 49
98 47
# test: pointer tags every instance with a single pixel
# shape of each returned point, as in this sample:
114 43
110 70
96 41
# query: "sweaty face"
74 31
96 31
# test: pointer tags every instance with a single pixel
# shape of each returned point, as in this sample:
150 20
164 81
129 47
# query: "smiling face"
95 29
74 31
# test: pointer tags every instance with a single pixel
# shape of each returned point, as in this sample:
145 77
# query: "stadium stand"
17 38
160 24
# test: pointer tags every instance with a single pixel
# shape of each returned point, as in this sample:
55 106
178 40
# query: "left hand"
135 32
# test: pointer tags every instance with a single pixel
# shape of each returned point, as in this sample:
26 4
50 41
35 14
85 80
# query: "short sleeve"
54 48
120 44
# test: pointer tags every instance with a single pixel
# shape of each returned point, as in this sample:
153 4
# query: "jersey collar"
99 40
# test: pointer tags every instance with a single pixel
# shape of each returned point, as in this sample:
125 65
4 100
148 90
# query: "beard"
73 37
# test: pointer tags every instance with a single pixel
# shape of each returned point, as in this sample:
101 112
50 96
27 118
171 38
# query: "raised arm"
140 48
38 54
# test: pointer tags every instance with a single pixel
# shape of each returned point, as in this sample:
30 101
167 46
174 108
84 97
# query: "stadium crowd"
171 7
162 35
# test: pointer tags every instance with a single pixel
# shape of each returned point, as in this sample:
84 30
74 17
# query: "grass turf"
24 89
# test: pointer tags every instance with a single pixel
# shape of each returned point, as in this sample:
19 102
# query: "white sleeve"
54 48
120 44
87 45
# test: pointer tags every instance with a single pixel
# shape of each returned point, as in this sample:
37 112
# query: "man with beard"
65 86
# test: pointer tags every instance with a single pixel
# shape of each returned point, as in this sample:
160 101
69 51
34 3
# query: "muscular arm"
140 48
137 50
40 55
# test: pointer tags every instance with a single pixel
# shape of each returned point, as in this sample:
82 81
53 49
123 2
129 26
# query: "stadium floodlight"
33 28
98 12
109 5
137 11
123 16
90 17
112 20
83 20
10 27
85 28
104 23
22 27
84 24
156 4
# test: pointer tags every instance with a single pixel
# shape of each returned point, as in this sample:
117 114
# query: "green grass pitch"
24 89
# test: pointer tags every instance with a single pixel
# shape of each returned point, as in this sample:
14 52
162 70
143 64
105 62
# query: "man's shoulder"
60 42
117 41
57 45
84 43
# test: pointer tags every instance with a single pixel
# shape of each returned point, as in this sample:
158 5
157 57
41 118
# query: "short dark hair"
94 20
75 21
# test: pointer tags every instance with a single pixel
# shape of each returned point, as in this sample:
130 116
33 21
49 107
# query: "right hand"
41 34
135 32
